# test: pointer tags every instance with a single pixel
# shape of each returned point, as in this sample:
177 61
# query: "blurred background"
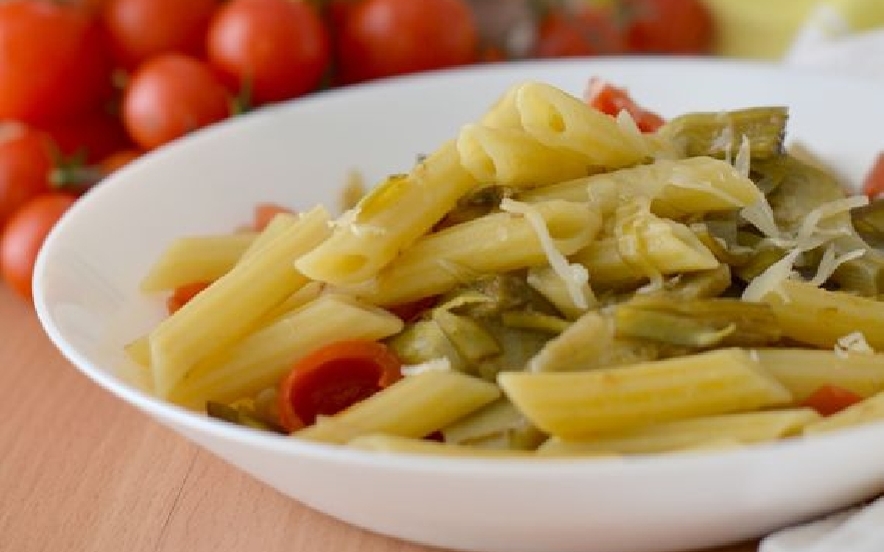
87 86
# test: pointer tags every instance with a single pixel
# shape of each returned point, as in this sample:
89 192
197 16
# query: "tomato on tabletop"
667 26
139 29
26 161
53 61
169 96
584 30
271 50
23 236
92 136
382 38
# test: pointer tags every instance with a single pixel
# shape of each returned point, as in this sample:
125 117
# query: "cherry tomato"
169 96
668 26
334 377
92 136
272 49
583 31
381 38
139 29
25 165
829 399
23 236
873 183
53 61
181 295
266 212
610 99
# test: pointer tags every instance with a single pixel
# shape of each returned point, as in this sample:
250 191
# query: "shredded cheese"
743 161
853 343
575 276
441 364
830 263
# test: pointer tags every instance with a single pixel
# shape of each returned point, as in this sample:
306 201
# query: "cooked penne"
512 157
498 242
820 317
743 427
261 359
278 225
803 371
675 188
574 404
196 259
864 412
389 219
396 444
415 406
228 309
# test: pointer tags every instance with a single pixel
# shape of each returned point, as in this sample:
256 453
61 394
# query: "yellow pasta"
573 404
390 218
803 371
497 242
261 359
414 406
819 317
675 188
228 309
396 444
196 259
743 427
512 157
279 224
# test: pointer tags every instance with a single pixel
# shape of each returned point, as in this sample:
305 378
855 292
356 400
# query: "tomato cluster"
88 85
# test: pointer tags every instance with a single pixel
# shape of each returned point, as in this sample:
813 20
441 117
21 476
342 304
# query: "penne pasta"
389 219
228 309
864 412
803 371
196 259
415 406
396 444
607 400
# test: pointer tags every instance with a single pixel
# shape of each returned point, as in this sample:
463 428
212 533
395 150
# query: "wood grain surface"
81 471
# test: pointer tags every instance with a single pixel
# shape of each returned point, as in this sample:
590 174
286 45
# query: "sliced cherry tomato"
582 31
829 399
25 165
140 29
272 50
53 61
873 185
334 377
23 236
181 295
169 96
264 213
381 38
667 26
610 99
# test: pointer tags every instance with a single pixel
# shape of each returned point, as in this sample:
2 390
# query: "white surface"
87 298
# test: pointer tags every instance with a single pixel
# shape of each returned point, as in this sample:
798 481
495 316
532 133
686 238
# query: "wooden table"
80 471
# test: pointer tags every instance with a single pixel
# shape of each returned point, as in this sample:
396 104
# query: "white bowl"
87 298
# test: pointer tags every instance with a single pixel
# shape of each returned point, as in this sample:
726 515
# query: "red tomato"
584 31
94 136
25 165
53 63
334 377
169 96
23 236
181 295
873 184
139 29
610 99
266 212
381 38
272 49
668 26
829 399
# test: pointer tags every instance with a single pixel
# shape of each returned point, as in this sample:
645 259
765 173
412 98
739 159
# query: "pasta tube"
864 412
574 404
743 427
229 308
261 359
196 259
390 218
498 242
414 406
803 371
396 444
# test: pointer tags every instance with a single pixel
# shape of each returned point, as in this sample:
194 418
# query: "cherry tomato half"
53 61
381 38
272 49
23 236
169 96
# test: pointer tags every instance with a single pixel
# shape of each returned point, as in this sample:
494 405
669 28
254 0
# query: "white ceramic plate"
299 154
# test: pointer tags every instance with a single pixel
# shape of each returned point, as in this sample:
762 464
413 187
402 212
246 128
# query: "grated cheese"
440 364
743 161
855 343
830 263
575 276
